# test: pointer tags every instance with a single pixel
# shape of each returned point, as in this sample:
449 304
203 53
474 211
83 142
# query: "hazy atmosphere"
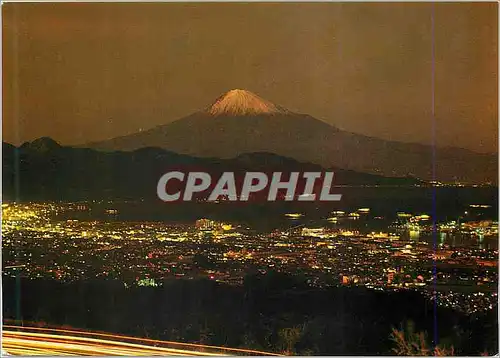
250 179
83 72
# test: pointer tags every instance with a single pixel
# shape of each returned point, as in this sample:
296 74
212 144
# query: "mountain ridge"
308 139
240 121
69 173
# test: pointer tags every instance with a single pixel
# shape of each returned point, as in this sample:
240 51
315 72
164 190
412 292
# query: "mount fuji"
241 122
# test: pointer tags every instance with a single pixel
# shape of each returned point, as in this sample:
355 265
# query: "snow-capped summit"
241 122
239 102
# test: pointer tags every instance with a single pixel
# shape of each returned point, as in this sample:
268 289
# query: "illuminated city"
37 243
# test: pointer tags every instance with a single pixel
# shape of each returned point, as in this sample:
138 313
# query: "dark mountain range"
241 122
45 170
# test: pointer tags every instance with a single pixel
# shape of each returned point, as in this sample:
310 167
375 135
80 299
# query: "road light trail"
56 343
17 340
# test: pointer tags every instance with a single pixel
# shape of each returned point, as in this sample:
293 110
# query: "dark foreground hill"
336 321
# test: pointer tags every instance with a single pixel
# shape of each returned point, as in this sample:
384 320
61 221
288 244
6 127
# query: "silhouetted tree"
411 343
289 338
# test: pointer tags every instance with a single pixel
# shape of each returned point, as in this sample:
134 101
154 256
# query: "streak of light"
29 343
55 341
